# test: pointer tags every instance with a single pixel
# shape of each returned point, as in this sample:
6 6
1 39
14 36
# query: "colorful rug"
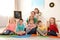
24 36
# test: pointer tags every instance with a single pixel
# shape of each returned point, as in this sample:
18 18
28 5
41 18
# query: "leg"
21 33
27 31
7 32
40 32
33 31
52 33
12 33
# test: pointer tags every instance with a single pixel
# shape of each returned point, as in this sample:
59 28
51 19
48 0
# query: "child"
52 27
20 28
37 14
31 27
31 17
41 29
10 29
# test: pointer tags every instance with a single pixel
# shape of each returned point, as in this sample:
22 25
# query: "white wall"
6 11
52 12
25 7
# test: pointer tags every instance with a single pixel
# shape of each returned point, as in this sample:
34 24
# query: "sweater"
53 28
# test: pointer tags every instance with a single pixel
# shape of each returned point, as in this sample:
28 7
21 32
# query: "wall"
52 12
6 11
25 8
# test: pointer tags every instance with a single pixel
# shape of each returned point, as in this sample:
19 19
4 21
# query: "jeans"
7 32
33 31
52 33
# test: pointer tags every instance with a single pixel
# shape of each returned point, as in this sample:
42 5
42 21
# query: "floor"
30 38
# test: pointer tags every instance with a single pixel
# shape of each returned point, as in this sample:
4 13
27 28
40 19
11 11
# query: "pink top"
11 27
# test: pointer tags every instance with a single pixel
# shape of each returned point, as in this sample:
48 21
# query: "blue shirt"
20 27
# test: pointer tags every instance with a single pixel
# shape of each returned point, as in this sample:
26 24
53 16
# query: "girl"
20 28
10 29
31 17
31 27
52 27
41 29
37 14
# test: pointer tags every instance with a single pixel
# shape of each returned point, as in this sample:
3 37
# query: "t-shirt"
43 28
20 27
35 20
11 27
54 28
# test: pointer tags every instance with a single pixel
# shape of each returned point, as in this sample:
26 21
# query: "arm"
15 28
23 27
57 29
48 24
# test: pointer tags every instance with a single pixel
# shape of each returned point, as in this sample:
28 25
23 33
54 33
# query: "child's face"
51 20
40 24
21 22
31 17
31 22
36 11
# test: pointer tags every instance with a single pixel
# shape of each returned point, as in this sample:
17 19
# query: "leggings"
41 32
33 31
7 32
52 33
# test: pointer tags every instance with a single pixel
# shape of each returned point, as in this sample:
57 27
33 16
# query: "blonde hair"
12 19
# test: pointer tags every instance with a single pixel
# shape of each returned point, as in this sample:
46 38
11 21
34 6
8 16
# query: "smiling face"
52 20
21 22
31 21
32 13
36 10
39 23
31 18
